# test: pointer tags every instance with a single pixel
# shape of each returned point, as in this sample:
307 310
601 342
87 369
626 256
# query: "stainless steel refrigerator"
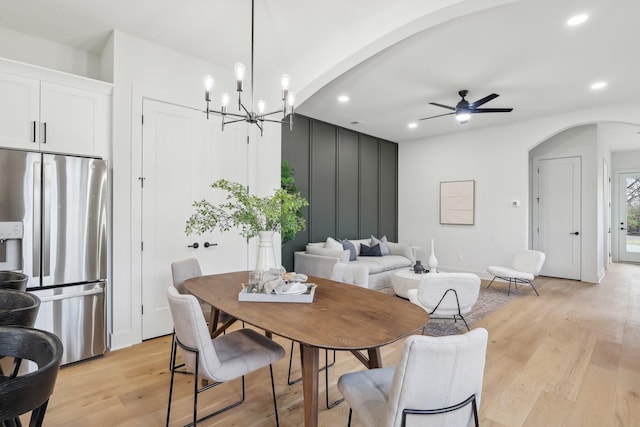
53 227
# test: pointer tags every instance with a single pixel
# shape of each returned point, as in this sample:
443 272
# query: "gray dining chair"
437 382
218 360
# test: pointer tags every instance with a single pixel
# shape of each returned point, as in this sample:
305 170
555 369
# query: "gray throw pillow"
384 246
346 244
370 251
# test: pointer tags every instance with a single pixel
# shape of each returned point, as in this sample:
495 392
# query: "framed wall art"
457 202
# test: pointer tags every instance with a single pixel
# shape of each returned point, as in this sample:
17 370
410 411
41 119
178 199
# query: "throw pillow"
384 245
332 243
353 254
370 250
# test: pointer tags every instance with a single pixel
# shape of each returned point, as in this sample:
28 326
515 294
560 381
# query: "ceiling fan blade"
491 110
443 106
439 115
484 100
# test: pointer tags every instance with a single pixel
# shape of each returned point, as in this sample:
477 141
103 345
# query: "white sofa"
319 259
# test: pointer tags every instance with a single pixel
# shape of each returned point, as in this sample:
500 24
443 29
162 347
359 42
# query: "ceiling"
390 63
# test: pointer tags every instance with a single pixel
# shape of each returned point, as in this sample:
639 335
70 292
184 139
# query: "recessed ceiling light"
577 19
413 125
598 85
343 98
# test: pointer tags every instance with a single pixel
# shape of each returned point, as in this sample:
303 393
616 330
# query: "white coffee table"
404 280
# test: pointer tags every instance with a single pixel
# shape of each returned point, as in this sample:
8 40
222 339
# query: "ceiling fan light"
463 116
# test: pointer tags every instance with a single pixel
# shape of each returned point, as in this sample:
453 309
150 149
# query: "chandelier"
248 114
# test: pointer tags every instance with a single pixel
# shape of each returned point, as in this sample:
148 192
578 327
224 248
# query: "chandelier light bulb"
208 82
285 81
224 99
240 70
262 106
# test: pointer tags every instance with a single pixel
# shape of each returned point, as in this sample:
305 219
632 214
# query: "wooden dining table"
341 317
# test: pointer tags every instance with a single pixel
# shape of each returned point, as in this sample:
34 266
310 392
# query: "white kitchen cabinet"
56 113
19 111
72 121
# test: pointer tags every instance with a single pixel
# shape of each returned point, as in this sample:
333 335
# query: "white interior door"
173 157
557 225
629 217
183 153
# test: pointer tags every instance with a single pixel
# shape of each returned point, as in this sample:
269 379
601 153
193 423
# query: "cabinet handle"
44 138
34 131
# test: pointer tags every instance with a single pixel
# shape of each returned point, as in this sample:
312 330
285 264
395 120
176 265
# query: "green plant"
288 183
248 212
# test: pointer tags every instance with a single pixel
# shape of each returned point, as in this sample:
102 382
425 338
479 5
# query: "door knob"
575 233
207 244
194 246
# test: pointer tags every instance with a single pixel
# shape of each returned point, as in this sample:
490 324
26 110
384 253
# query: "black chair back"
20 394
13 280
18 308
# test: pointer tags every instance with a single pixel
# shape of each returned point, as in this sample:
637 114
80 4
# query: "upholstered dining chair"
447 294
29 392
218 360
437 382
526 265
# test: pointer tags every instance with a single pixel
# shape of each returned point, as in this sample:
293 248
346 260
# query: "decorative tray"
296 292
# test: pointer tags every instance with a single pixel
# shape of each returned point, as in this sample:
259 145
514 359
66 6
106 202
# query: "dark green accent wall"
349 178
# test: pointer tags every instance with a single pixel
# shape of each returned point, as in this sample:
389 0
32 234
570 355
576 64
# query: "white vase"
433 261
266 257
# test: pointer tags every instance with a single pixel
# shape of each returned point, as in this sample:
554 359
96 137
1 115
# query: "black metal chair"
20 394
13 280
18 308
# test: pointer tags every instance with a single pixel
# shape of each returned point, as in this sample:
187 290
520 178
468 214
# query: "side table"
404 280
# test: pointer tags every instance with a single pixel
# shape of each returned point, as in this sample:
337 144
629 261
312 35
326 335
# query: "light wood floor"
570 357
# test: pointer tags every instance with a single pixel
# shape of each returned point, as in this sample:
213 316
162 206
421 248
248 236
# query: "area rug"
489 300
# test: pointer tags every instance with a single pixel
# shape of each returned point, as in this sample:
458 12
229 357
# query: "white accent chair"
447 294
222 359
437 382
526 265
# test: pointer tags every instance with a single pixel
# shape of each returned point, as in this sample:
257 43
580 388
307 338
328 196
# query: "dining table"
340 317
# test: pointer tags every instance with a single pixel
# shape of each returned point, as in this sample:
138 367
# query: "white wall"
580 141
45 53
497 158
142 69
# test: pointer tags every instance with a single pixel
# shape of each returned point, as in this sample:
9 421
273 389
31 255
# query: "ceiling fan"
464 108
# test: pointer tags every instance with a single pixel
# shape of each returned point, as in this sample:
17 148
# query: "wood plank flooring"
570 357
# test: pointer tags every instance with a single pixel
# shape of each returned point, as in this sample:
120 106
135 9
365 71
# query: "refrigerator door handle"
37 232
74 295
46 219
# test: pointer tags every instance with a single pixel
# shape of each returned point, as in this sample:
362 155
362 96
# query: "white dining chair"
218 360
437 382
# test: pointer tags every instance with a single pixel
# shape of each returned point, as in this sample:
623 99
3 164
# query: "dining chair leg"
273 390
350 413
491 282
326 381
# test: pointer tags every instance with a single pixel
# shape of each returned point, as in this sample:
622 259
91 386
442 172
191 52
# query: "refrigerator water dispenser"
11 233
